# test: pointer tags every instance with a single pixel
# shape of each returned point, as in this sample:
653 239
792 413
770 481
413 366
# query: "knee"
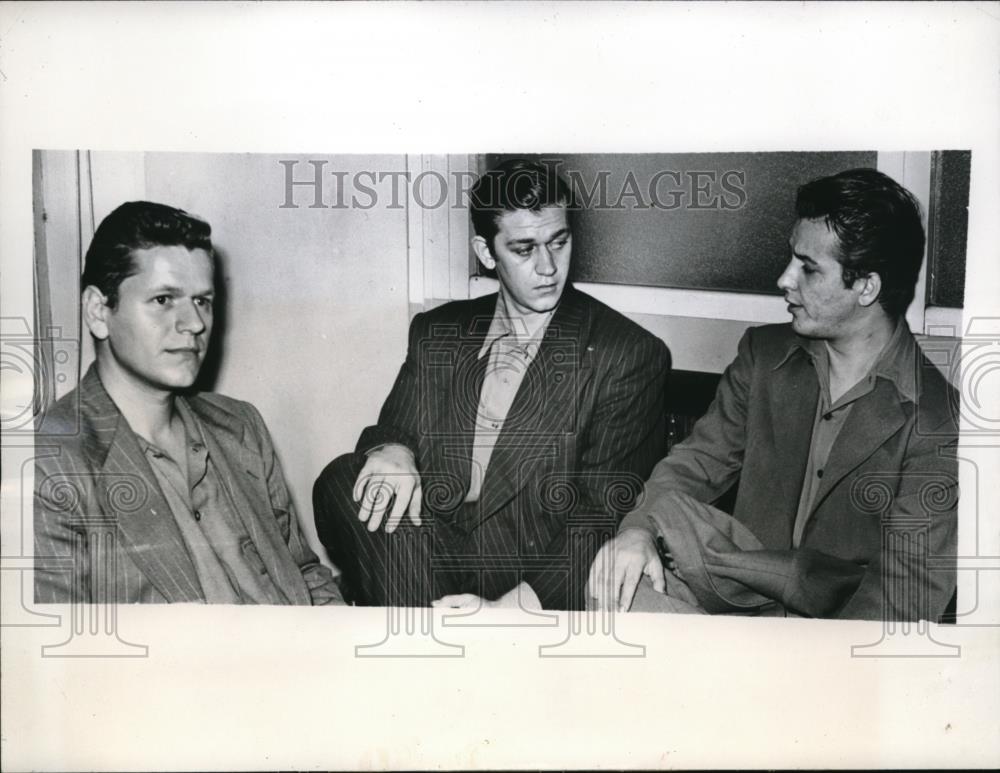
333 489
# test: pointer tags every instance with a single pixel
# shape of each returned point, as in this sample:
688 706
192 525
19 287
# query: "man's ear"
96 312
483 252
870 289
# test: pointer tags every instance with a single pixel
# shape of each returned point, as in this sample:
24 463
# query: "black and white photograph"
599 431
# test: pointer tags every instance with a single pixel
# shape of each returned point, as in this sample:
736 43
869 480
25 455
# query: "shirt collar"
504 325
896 363
193 435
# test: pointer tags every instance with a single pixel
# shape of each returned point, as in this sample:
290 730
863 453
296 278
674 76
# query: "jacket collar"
897 363
872 420
105 420
514 328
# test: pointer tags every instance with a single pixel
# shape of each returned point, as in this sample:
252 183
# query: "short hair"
512 185
138 225
878 227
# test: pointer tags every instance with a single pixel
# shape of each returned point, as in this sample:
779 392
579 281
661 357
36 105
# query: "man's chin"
181 380
547 302
807 331
800 328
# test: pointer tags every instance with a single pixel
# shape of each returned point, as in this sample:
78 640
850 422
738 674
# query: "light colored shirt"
830 418
228 565
512 343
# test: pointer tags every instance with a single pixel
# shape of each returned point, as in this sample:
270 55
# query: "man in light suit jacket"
517 433
145 491
839 431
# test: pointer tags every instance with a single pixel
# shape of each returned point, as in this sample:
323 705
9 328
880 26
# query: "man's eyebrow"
804 258
174 290
165 290
528 240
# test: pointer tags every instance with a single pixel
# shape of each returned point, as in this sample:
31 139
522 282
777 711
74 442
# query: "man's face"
531 253
158 333
813 284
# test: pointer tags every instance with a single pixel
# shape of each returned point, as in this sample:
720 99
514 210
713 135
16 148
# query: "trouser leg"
379 569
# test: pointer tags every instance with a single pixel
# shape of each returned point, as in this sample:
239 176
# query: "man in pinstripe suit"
145 492
519 430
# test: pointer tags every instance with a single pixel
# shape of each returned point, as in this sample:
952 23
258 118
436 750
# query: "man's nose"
544 263
786 281
190 318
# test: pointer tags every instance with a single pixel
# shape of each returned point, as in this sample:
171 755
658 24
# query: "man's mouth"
184 350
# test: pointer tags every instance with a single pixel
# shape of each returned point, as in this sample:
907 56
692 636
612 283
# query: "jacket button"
819 473
197 515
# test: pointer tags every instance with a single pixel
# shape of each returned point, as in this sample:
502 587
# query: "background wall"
695 221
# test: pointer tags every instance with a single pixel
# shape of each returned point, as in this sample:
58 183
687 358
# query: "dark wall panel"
948 227
716 221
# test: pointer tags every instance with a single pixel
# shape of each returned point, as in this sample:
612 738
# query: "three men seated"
519 435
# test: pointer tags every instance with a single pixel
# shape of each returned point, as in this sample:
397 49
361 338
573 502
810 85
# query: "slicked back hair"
138 225
878 227
512 185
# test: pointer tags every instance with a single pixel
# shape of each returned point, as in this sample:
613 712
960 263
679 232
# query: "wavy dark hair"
138 225
878 225
512 185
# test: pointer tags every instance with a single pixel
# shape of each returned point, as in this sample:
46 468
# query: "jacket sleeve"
399 419
319 579
708 461
625 436
62 572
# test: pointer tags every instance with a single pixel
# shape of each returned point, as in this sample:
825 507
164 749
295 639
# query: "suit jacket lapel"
127 490
873 420
450 379
461 396
793 396
544 407
239 469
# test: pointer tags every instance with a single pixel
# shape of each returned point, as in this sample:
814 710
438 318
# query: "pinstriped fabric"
584 430
385 569
92 479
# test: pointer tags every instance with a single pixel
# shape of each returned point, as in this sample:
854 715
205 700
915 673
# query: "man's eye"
808 270
162 300
523 251
558 245
204 302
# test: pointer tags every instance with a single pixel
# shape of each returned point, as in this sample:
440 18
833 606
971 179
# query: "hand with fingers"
620 565
669 562
520 597
389 477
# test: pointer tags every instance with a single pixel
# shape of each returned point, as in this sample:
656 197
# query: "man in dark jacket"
517 434
838 430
